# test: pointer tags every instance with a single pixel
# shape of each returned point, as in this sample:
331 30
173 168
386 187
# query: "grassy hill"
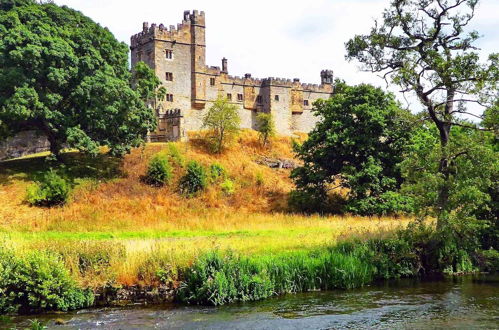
128 230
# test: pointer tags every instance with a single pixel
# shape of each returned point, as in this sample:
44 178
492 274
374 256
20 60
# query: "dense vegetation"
358 144
38 281
367 156
425 48
66 76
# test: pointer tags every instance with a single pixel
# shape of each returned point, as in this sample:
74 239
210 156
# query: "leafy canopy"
65 75
357 144
424 47
223 120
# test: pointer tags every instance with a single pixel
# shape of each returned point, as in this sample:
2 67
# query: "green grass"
124 235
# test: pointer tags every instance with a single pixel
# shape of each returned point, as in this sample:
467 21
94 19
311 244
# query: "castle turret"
224 66
198 53
326 77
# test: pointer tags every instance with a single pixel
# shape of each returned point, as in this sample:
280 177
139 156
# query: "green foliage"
266 127
217 279
159 171
426 48
50 191
357 144
491 260
473 173
175 154
36 282
68 77
194 180
223 120
259 180
217 171
36 325
228 187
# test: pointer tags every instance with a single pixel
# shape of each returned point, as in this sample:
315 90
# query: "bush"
388 203
260 181
159 171
217 171
50 191
490 260
266 127
228 187
194 180
37 282
175 155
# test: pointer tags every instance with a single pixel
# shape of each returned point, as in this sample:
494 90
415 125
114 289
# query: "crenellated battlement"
180 33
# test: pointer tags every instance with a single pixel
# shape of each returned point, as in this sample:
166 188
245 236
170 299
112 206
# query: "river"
469 302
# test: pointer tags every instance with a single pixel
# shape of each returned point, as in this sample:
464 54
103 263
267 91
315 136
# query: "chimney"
224 66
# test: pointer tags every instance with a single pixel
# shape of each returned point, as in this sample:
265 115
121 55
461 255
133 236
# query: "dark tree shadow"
75 165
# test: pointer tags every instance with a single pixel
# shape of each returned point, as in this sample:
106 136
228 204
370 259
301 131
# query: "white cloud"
279 38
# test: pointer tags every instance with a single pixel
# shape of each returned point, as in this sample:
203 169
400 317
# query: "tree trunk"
55 147
443 194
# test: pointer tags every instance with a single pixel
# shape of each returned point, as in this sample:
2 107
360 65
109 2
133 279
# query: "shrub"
50 191
260 181
38 282
175 155
266 127
194 180
217 171
228 187
159 171
491 260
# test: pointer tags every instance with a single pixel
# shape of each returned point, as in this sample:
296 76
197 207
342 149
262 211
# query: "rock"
277 162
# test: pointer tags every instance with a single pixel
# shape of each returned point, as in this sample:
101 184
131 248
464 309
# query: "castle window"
239 97
305 103
169 54
139 56
149 56
259 99
276 98
169 76
169 97
212 81
229 96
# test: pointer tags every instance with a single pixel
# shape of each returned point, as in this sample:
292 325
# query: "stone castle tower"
178 56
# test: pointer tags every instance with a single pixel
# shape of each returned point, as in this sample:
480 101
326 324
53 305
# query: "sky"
278 38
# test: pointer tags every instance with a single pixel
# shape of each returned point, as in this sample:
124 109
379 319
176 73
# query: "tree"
474 172
422 46
266 127
223 120
66 76
357 144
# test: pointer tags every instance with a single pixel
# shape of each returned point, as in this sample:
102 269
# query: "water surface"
458 303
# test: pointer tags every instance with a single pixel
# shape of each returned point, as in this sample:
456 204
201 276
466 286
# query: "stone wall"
24 143
193 91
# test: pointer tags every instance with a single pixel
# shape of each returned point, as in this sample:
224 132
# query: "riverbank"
83 274
465 302
120 241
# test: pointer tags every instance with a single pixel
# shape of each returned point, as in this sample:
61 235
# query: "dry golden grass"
144 229
127 204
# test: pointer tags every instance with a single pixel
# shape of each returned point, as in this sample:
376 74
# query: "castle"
178 57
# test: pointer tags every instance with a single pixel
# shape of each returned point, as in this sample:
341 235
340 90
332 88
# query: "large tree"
357 144
68 77
423 46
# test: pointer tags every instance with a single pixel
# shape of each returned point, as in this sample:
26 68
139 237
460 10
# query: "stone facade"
22 144
178 56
